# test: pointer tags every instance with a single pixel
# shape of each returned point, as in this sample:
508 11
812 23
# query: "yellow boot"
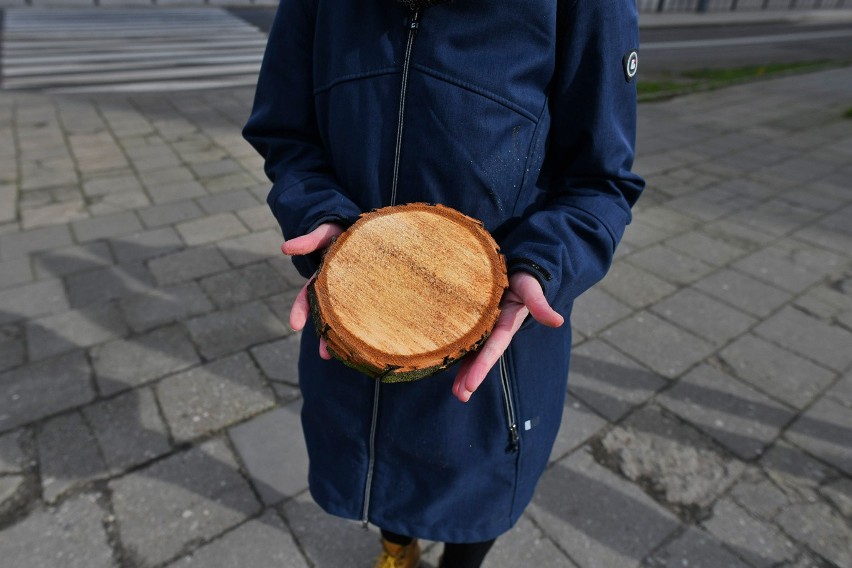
399 556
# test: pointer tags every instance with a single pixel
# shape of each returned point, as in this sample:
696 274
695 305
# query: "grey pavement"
148 393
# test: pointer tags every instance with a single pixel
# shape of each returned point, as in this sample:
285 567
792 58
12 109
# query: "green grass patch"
671 85
848 113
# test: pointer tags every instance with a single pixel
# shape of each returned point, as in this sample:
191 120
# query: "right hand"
318 239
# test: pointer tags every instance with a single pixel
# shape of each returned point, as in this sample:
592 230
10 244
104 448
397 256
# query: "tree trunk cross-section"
408 290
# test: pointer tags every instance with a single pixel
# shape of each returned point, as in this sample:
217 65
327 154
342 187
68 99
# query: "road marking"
128 50
751 40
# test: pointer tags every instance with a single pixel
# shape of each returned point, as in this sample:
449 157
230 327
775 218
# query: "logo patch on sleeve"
630 63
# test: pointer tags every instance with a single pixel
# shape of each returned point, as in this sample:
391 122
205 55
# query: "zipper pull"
514 438
414 23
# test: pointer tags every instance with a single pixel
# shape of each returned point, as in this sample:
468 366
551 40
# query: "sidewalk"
148 397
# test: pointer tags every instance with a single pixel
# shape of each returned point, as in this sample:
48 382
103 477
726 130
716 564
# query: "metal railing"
733 5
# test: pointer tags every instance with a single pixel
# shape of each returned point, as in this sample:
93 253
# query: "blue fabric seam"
356 76
477 90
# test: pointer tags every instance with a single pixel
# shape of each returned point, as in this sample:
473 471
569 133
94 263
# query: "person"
519 113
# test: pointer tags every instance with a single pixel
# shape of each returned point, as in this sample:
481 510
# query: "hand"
524 297
317 239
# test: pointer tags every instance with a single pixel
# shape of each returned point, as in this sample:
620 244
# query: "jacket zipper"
413 26
371 462
511 419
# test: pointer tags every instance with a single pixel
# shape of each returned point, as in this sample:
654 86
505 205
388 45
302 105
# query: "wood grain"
408 290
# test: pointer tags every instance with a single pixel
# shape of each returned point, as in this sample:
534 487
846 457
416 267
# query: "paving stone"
284 266
118 202
208 398
242 285
166 193
640 233
775 371
224 202
669 264
795 472
128 429
65 261
596 517
279 360
272 448
12 350
824 431
188 265
264 541
209 229
743 292
704 316
823 343
695 549
777 217
821 529
14 494
740 418
775 267
760 496
145 245
32 300
609 381
68 456
128 363
839 492
164 305
579 424
670 459
111 183
34 391
85 327
106 226
163 176
102 284
234 329
253 247
705 248
13 457
657 344
169 213
635 287
193 496
71 535
15 271
327 540
22 243
595 310
526 545
228 182
762 545
259 218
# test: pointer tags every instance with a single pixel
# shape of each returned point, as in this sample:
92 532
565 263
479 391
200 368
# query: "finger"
316 240
323 349
474 369
301 308
531 294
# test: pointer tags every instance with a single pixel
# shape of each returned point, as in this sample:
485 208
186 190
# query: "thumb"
529 291
317 239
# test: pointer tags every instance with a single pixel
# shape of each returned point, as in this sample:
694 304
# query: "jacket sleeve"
283 129
568 243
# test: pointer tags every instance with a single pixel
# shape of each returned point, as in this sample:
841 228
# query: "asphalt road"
685 48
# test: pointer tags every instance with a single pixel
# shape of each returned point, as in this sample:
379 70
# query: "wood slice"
408 290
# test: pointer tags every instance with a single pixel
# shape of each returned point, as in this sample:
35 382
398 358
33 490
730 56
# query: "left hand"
524 297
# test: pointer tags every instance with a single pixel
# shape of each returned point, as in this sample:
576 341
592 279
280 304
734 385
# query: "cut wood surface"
408 290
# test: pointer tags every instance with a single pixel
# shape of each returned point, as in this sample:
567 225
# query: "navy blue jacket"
505 112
